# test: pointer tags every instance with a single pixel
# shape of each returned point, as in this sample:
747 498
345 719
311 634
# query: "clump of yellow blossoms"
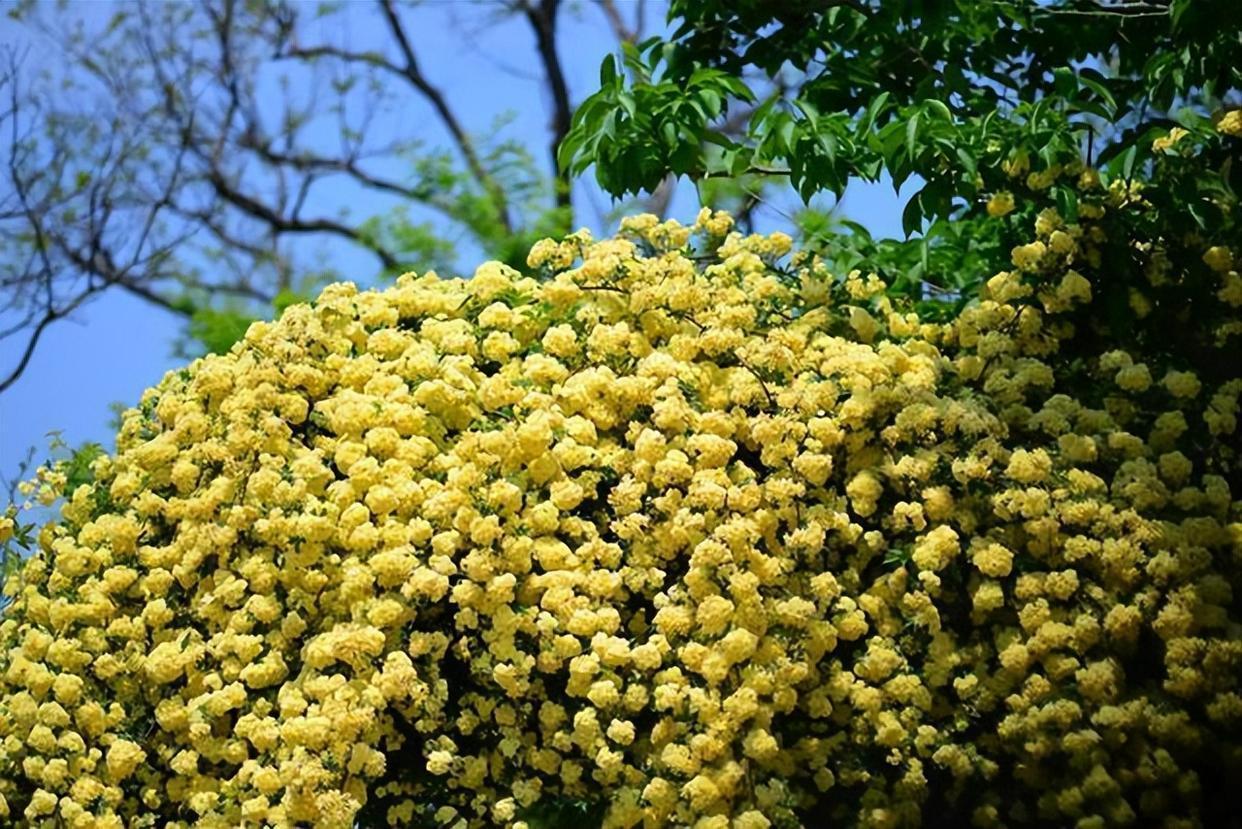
698 536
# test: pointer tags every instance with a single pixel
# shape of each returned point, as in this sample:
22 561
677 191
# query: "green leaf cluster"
937 91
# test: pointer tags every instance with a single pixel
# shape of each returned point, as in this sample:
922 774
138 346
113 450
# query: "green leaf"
828 143
712 101
1063 80
940 109
912 216
1067 203
627 103
878 103
1127 162
668 131
897 556
78 468
785 134
967 161
1094 81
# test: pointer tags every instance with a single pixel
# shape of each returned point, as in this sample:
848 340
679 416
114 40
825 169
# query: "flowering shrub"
689 532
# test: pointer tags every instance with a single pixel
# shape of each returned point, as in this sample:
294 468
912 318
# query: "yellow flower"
1182 384
1231 123
1001 204
677 528
1219 258
992 560
1134 378
123 757
1167 142
936 549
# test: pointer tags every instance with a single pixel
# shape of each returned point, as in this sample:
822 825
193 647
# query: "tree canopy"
939 89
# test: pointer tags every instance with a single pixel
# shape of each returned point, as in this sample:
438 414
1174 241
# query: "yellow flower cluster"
1231 123
1169 141
697 536
1001 204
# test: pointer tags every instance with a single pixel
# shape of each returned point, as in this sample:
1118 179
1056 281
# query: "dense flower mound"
688 532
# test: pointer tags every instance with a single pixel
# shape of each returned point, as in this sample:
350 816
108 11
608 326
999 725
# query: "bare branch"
56 263
411 73
306 161
28 351
623 32
161 170
1125 8
282 224
438 102
542 17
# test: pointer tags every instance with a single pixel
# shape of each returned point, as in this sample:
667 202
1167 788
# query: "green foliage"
19 538
77 468
944 91
286 298
655 126
11 556
964 99
217 329
419 245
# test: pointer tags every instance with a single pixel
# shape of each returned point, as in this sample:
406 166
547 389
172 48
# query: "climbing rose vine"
687 532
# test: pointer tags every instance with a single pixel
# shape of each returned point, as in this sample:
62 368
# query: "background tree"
186 153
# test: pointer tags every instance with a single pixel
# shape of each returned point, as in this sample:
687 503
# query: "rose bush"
687 532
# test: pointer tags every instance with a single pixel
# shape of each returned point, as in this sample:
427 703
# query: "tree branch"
411 73
542 19
304 162
624 33
281 224
450 121
1126 8
51 316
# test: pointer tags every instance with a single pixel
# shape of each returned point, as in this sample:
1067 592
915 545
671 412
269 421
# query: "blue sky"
116 346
